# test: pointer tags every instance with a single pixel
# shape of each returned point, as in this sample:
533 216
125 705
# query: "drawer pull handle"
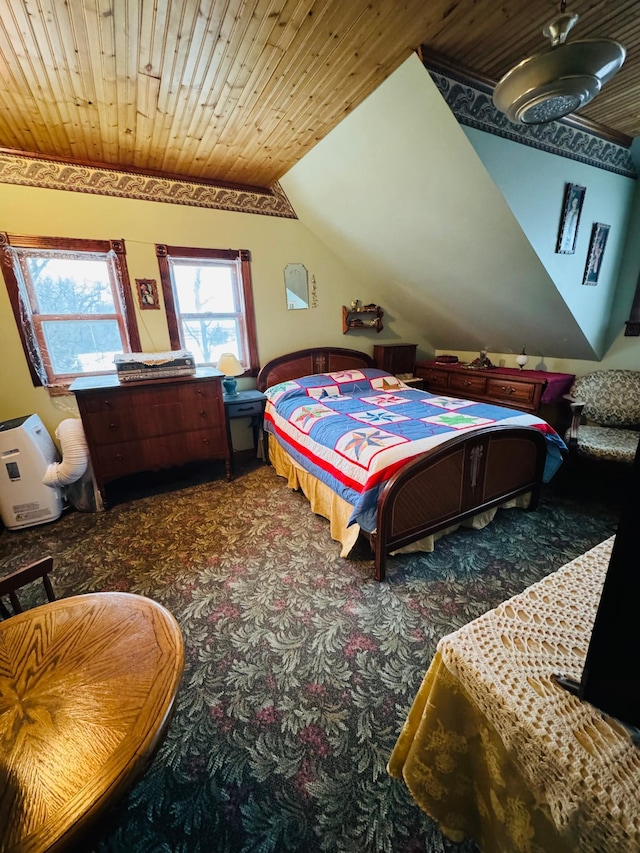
198 390
112 427
244 408
508 389
107 404
466 382
119 457
203 414
205 441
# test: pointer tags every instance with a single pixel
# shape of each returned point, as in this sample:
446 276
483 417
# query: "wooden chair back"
10 584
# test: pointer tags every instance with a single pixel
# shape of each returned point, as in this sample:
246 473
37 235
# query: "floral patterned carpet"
300 668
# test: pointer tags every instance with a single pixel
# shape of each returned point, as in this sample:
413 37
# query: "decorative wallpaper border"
57 175
472 104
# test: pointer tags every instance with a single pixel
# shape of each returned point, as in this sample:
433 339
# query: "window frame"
166 253
29 329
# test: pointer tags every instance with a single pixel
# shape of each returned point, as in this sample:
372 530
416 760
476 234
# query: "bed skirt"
325 502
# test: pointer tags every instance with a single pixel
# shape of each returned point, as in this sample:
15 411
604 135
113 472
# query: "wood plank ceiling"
238 90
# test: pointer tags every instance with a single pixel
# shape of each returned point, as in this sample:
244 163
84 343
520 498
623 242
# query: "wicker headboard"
306 362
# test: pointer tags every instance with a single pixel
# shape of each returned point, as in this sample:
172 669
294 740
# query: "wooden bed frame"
473 472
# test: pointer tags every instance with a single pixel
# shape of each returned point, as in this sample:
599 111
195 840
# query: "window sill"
59 390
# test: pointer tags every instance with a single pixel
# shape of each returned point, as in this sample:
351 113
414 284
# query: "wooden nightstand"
399 359
246 404
396 358
415 382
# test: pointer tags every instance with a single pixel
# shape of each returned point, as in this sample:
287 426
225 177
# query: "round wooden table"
87 686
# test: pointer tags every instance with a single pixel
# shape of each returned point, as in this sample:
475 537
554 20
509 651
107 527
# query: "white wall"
400 194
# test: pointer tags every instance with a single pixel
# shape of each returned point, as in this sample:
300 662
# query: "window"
209 302
72 303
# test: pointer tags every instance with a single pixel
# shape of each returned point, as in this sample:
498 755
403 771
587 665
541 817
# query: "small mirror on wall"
296 282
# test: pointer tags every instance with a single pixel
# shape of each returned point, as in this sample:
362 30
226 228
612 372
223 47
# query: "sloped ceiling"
399 193
239 90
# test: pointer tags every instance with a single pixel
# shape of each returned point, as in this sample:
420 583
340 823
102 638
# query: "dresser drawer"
108 428
193 393
436 380
464 384
130 457
163 418
244 410
514 394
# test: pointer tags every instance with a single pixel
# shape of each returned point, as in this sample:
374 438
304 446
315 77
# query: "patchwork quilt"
354 429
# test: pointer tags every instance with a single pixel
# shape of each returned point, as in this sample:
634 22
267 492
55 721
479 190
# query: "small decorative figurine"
483 361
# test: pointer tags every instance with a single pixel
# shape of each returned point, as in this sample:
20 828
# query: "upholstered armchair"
605 410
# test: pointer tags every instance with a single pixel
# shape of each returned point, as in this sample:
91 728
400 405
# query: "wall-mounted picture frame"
599 234
570 219
147 293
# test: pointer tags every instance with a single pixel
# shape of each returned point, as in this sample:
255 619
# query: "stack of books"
135 366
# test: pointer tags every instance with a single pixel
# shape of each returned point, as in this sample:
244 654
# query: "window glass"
209 306
209 301
78 346
205 288
69 285
208 339
70 304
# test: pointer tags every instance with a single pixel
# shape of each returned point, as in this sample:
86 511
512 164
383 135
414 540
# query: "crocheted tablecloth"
495 749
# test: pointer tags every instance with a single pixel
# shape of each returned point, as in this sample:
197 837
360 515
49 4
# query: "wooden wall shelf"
368 317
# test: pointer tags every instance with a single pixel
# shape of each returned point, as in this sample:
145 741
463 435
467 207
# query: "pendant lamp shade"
559 80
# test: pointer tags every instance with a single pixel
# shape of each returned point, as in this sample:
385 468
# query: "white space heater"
26 449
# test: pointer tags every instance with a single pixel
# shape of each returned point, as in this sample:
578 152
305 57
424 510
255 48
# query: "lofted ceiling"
237 91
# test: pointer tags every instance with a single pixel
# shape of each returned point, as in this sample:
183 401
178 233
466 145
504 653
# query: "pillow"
339 383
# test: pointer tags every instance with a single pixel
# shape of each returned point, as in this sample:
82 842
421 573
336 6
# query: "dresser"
153 424
525 390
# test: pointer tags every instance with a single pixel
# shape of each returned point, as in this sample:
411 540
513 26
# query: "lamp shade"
231 367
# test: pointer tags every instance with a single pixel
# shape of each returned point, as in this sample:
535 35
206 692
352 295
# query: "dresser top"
515 372
554 384
110 380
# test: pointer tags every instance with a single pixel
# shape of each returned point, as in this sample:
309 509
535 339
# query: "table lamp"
231 367
522 359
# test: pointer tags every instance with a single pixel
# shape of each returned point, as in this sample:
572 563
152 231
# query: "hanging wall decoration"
147 293
599 235
571 210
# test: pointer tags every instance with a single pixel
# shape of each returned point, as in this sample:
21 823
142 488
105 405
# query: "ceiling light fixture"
559 80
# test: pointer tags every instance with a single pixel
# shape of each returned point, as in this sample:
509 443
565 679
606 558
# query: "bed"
399 465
